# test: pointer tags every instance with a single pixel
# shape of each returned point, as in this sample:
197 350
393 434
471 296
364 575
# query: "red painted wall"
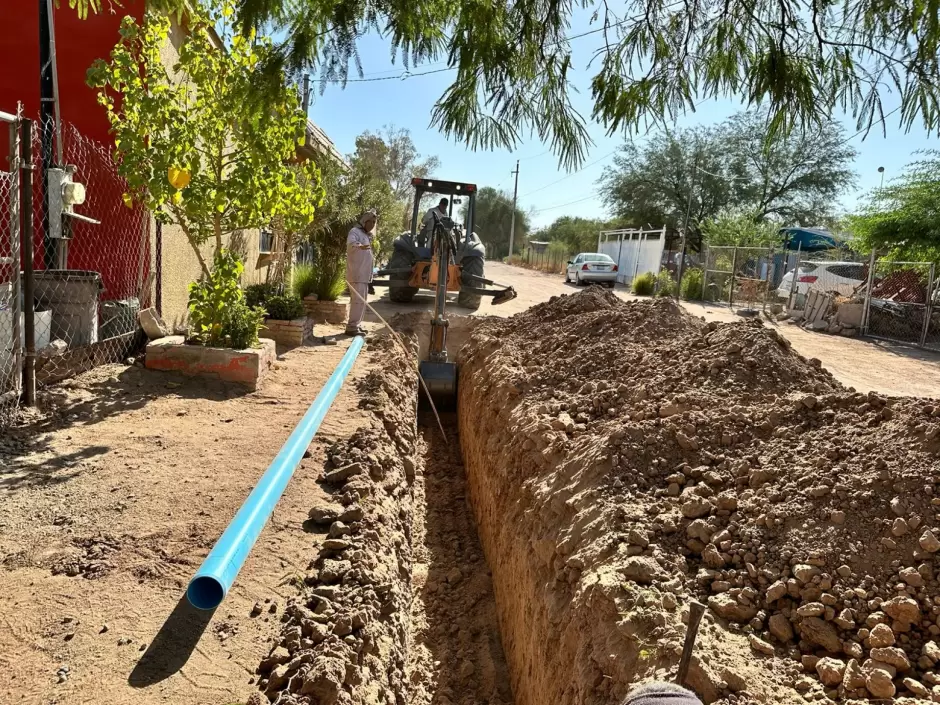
78 44
118 248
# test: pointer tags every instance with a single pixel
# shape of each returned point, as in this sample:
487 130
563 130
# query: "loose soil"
866 365
625 458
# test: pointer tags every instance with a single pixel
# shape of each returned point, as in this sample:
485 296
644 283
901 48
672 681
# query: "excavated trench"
610 463
457 656
446 575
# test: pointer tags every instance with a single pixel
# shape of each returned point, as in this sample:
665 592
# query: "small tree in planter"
287 322
196 144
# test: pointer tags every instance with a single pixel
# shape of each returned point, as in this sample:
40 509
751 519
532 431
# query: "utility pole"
515 193
55 253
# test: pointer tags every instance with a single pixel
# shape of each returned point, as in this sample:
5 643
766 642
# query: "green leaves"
798 61
493 220
901 219
205 117
217 308
738 171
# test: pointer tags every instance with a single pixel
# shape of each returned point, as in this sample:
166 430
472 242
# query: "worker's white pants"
357 304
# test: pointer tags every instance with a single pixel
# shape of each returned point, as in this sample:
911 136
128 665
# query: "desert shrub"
240 325
285 307
644 284
258 294
218 313
665 284
692 282
304 280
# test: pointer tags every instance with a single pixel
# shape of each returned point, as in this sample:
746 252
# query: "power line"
568 176
406 74
562 205
403 76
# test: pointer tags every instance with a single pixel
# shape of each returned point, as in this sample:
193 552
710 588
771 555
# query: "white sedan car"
591 268
841 277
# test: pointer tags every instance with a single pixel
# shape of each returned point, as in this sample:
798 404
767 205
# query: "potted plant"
223 337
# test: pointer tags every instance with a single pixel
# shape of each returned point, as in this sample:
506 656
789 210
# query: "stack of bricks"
247 367
288 333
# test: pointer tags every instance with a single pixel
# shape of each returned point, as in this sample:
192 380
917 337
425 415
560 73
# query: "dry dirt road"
866 365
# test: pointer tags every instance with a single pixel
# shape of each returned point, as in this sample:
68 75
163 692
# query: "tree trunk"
217 227
192 243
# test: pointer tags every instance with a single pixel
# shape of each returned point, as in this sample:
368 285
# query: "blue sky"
346 112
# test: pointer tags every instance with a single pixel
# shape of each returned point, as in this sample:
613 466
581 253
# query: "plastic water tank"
72 296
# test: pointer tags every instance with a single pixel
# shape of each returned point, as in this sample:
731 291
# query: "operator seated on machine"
427 225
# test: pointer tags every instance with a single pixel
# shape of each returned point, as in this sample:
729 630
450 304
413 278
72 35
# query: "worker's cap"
661 694
443 202
368 215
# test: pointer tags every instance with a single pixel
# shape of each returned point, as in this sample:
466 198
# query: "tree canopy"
391 156
192 147
493 220
700 173
740 229
578 234
512 61
352 189
901 219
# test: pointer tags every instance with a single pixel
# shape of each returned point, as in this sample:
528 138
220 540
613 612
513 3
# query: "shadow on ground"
172 646
26 453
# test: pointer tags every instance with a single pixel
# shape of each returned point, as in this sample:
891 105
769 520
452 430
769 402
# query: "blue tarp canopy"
809 239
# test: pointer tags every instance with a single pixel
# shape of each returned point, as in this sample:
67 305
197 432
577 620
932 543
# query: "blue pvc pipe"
215 576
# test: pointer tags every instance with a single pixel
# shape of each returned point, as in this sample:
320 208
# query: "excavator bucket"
440 378
507 294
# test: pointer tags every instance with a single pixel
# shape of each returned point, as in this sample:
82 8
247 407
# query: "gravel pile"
707 461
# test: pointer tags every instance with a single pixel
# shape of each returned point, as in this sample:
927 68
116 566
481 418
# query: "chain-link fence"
91 258
900 304
11 318
741 277
836 274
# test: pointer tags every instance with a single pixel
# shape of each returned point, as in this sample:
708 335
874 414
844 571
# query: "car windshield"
596 258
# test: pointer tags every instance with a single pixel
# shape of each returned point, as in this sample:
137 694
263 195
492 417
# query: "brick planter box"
246 367
289 333
325 311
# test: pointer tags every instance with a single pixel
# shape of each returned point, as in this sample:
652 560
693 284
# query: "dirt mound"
624 458
345 638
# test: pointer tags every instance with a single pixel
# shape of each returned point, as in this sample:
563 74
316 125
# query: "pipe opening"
205 593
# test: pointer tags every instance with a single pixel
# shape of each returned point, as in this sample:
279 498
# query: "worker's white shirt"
359 263
429 216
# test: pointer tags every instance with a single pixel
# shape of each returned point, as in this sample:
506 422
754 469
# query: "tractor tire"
398 290
474 266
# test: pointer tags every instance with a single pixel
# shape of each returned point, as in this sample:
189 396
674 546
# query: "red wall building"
119 248
78 44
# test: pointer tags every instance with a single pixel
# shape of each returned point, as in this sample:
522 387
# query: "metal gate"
11 316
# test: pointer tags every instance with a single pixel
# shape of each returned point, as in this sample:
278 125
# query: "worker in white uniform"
359 264
427 225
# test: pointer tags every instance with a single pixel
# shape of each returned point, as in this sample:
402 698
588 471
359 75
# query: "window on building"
266 241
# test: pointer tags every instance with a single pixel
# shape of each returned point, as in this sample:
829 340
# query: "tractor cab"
442 254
